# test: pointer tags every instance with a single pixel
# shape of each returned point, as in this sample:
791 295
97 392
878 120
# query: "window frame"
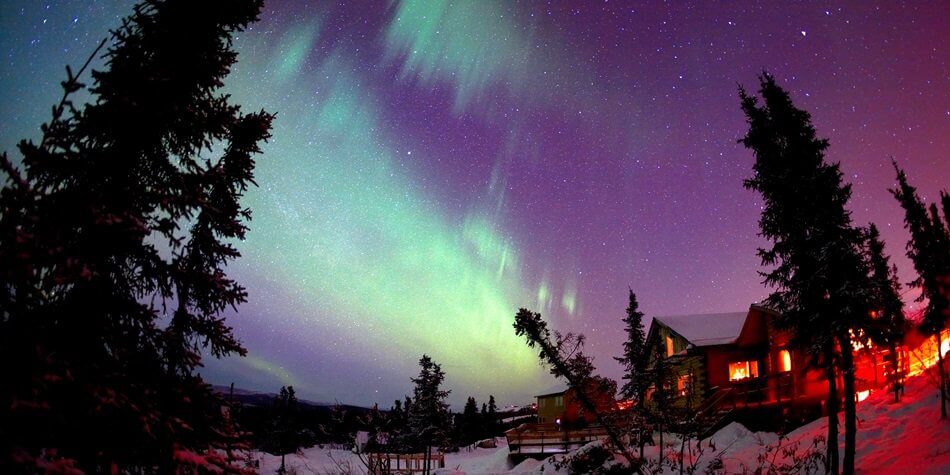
751 368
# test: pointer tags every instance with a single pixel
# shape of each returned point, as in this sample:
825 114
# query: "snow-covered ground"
904 438
907 437
316 460
892 438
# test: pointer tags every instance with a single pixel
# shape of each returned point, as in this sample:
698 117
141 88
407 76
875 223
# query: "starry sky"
435 165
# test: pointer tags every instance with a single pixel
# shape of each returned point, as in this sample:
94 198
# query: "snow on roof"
709 329
556 389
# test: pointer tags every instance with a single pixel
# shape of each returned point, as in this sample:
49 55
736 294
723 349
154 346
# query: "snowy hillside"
892 438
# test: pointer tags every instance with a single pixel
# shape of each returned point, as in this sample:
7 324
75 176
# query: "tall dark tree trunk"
943 376
427 462
831 465
850 405
642 411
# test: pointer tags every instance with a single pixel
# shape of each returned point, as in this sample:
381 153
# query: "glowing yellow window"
743 370
682 384
784 360
669 346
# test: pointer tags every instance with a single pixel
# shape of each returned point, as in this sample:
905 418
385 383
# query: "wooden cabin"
563 424
551 408
742 359
559 405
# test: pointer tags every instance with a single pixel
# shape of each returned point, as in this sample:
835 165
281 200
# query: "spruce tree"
660 377
634 365
429 421
375 423
406 441
929 250
492 422
284 437
945 204
395 423
123 218
818 270
888 326
632 359
470 428
484 417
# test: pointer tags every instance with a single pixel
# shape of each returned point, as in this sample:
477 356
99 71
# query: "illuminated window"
682 384
859 341
784 360
743 370
669 346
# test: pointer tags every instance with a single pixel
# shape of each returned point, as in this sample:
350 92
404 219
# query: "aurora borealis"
436 165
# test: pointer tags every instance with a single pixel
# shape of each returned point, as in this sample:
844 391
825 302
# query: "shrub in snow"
593 458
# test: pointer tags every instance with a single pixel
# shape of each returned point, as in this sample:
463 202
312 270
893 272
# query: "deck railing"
548 438
403 463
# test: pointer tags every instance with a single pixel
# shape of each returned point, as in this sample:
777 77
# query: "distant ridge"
255 398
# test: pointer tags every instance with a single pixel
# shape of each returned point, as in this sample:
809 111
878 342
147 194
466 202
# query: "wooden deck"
530 439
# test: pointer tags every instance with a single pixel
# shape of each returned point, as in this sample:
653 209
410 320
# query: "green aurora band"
473 45
341 224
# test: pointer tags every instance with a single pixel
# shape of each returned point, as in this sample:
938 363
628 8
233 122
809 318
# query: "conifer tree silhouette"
819 273
114 233
929 250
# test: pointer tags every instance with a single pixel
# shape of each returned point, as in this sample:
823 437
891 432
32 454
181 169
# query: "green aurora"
350 232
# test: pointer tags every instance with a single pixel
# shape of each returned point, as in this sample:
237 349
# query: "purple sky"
435 166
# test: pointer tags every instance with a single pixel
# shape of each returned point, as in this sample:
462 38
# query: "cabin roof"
707 329
559 388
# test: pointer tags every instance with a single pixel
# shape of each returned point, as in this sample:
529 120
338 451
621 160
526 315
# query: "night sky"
435 166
